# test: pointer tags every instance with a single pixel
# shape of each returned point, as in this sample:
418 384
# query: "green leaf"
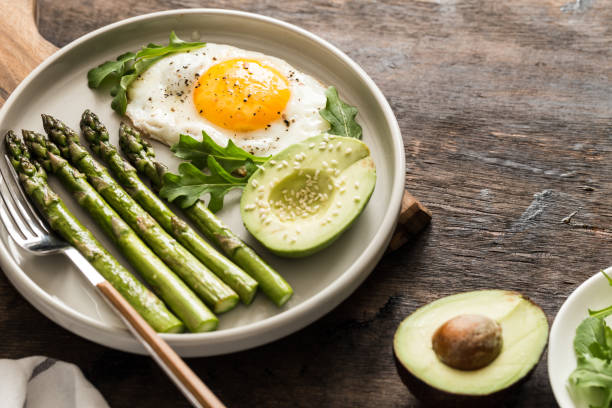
602 313
191 183
590 331
607 277
95 76
119 103
130 65
340 115
231 157
591 382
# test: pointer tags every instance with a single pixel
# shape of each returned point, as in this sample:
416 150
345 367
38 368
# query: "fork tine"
16 231
38 225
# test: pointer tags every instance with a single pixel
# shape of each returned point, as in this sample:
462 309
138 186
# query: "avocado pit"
472 349
468 341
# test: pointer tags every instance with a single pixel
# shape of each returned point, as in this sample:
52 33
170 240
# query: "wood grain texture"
505 109
23 48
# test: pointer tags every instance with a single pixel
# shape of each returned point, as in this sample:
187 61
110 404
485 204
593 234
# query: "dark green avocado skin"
433 397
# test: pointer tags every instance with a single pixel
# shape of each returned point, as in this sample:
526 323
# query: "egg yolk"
241 94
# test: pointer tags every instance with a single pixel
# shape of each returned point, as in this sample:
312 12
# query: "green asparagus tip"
15 146
58 132
93 129
19 156
129 138
40 148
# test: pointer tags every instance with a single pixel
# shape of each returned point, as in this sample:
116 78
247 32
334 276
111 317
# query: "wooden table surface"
505 108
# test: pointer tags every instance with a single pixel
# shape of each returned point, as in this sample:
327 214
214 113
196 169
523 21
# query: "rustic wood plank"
505 109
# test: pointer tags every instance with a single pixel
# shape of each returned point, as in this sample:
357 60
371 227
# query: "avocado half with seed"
471 349
304 197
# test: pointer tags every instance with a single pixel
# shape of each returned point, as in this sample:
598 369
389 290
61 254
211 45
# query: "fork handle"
185 379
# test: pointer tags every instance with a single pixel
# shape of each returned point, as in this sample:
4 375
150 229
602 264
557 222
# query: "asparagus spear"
33 178
97 136
188 307
207 285
141 154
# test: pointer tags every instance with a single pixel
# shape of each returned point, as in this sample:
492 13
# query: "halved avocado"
470 349
303 198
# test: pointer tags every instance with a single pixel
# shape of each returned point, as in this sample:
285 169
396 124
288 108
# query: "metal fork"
30 232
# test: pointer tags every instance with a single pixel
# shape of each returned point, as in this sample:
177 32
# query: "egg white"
160 102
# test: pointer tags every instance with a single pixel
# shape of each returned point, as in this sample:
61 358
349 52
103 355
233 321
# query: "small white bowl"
593 294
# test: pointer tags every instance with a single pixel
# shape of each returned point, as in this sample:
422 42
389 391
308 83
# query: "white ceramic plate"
593 294
320 282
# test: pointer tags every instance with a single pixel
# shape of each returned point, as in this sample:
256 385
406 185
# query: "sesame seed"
356 185
357 199
273 162
334 162
330 187
325 164
348 151
336 172
312 145
335 213
292 241
342 190
326 138
254 183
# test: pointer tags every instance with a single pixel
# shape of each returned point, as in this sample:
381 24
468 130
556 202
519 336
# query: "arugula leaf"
607 277
231 157
340 115
591 381
602 313
191 183
116 68
590 331
123 71
188 148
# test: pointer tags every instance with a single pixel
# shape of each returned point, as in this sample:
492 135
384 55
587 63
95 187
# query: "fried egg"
260 102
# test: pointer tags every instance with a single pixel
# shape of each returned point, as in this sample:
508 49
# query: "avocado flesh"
303 198
524 333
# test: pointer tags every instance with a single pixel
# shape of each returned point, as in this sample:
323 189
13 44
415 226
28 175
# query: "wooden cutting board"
23 48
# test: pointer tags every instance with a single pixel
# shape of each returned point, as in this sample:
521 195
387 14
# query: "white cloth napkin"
42 382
